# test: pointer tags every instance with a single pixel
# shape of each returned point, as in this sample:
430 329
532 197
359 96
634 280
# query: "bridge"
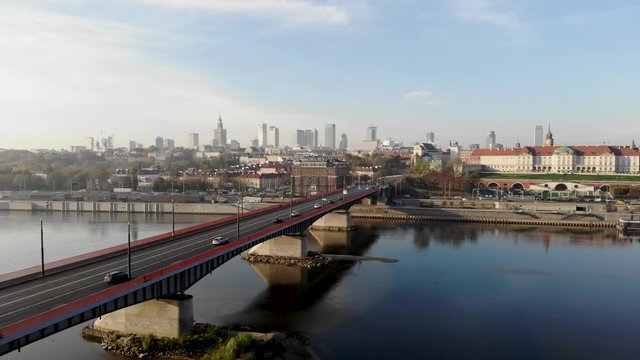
33 307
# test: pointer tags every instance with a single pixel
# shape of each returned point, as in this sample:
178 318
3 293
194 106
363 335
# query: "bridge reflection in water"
292 290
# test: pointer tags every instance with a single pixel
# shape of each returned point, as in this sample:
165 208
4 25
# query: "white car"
219 240
294 214
317 206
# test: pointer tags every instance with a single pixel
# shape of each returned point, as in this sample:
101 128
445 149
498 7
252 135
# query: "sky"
137 69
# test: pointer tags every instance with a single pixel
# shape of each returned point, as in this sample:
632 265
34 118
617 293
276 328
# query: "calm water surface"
457 292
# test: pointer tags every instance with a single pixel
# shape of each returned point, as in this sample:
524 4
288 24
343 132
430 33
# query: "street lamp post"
129 249
238 222
291 195
173 218
42 246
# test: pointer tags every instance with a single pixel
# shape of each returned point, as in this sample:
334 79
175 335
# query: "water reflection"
293 290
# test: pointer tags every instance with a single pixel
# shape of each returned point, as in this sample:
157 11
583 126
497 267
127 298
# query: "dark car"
116 277
277 221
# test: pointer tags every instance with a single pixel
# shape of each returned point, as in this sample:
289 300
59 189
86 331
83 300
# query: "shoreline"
558 217
206 341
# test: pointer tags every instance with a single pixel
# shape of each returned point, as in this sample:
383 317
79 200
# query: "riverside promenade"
488 212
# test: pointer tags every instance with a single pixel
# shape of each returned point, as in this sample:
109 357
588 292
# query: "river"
457 292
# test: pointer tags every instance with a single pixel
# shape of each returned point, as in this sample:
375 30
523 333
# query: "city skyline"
70 71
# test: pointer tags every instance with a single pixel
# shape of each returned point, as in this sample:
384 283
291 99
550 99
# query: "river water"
457 291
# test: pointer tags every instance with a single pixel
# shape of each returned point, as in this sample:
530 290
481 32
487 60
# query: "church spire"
548 140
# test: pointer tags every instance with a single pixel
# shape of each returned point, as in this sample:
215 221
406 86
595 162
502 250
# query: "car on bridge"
277 221
294 214
116 277
317 206
219 240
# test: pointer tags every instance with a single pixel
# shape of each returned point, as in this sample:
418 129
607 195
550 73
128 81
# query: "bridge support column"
166 317
339 220
282 246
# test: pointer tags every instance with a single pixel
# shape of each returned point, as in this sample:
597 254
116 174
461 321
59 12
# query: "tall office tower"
273 136
299 138
371 133
159 145
330 136
255 143
169 144
92 143
431 138
262 135
537 136
220 134
344 144
311 138
193 142
491 140
132 145
234 144
109 142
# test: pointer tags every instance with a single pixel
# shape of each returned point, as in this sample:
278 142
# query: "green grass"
560 177
234 347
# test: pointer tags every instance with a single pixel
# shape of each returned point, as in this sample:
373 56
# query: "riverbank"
130 207
205 341
513 216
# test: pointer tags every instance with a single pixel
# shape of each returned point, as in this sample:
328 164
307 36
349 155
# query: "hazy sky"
142 68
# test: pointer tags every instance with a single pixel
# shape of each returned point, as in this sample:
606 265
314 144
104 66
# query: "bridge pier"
283 246
165 317
339 220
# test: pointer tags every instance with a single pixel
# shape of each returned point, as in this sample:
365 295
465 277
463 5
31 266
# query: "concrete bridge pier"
282 246
165 317
339 220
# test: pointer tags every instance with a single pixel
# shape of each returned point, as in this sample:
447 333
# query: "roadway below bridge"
37 295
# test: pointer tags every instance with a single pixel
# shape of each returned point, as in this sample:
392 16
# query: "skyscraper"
537 136
371 133
159 145
311 138
169 145
300 139
273 136
330 136
491 140
193 142
344 144
431 138
262 135
220 134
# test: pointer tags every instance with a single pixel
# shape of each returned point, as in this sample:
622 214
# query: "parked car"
277 221
116 277
317 206
219 240
294 214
